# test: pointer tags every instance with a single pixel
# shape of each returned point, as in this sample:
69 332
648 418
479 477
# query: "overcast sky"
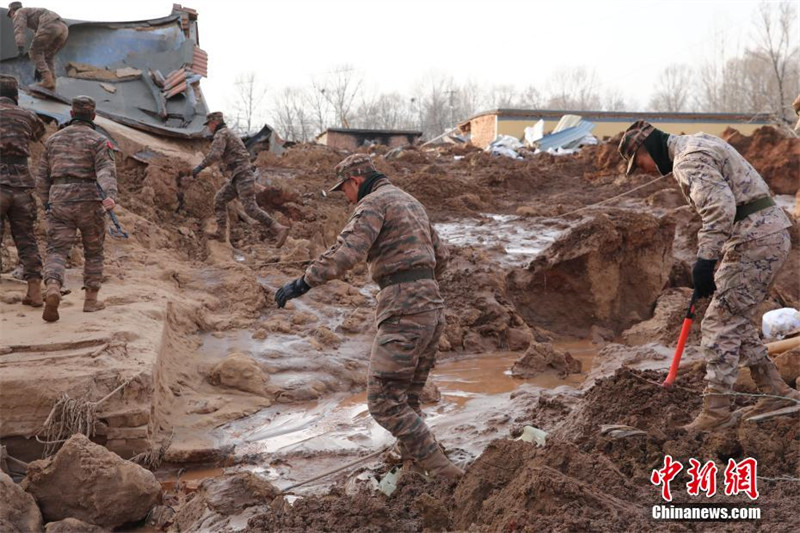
395 43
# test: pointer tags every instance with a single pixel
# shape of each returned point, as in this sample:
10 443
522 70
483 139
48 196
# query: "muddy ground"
558 317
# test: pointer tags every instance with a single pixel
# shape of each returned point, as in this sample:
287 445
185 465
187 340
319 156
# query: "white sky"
395 43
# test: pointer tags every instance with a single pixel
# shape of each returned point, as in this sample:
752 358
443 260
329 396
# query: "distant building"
352 138
486 126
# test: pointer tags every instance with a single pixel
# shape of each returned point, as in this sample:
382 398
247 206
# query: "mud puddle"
301 440
521 239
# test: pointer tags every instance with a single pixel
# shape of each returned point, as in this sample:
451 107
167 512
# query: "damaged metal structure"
143 74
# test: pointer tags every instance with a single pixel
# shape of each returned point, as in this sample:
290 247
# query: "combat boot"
52 298
91 303
769 381
48 81
438 465
716 413
34 296
280 232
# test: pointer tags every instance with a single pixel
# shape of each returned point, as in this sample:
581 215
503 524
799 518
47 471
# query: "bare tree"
574 89
673 89
250 93
614 100
340 89
385 111
776 45
291 115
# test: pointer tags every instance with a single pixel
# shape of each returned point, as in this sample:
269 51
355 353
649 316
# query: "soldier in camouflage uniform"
18 128
234 157
390 229
747 233
796 107
76 161
50 35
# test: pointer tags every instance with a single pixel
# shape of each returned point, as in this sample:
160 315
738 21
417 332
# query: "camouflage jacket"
390 229
230 150
33 18
715 179
18 128
79 154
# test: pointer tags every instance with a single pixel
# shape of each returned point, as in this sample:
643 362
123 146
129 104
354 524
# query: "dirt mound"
18 512
241 372
543 357
665 326
774 155
607 271
86 481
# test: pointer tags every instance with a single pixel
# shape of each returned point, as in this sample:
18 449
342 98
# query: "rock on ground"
543 357
86 481
241 372
18 510
219 498
73 525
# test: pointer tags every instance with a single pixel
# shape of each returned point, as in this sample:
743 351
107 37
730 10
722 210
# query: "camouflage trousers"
63 221
17 204
243 186
743 280
46 44
403 353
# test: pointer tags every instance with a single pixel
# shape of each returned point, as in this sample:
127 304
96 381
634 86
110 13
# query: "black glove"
197 170
293 289
20 50
703 277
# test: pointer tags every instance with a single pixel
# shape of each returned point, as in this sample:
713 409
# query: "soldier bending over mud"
747 234
390 229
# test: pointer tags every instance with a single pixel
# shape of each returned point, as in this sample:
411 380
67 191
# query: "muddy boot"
716 413
280 232
769 381
48 81
407 460
438 465
34 296
91 303
52 299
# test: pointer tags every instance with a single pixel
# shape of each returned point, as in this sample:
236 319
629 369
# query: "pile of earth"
774 154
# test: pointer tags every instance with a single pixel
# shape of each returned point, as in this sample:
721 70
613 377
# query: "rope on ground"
70 416
754 395
780 478
626 193
152 458
336 470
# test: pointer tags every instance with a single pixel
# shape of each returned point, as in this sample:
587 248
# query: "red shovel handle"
676 359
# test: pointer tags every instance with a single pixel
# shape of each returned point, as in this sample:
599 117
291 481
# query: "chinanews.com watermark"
738 478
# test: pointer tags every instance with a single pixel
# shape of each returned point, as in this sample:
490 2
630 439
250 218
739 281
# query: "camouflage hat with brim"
350 167
216 116
83 105
14 5
8 82
631 140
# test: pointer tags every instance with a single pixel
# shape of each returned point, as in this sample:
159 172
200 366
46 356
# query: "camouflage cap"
14 5
216 115
352 166
631 140
8 82
83 105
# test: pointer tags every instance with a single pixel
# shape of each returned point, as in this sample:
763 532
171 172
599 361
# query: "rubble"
19 512
86 481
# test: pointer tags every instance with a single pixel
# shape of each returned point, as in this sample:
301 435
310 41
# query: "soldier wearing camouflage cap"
76 165
391 231
18 128
229 150
50 36
742 230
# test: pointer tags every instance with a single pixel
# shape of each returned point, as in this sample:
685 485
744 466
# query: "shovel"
116 232
676 359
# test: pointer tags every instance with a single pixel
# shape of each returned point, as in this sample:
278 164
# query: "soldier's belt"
14 160
69 180
405 277
745 210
